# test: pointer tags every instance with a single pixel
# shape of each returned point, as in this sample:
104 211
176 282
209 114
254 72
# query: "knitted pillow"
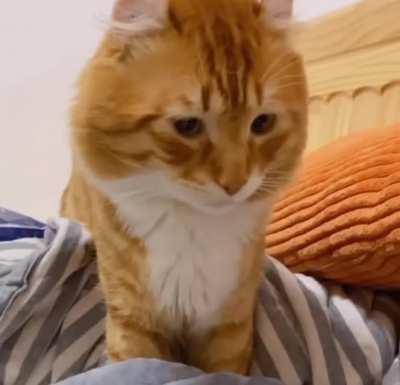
341 219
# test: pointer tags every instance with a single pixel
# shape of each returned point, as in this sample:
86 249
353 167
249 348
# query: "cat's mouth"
214 209
214 200
207 202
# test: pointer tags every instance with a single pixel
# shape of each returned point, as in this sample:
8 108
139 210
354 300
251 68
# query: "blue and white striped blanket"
52 322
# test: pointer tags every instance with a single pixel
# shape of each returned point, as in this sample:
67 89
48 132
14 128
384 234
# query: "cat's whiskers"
273 181
287 85
287 77
193 186
136 193
282 73
271 75
275 64
276 174
271 185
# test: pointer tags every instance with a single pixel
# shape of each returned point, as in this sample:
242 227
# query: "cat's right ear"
279 12
139 17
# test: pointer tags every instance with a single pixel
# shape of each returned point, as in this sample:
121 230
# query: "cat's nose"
232 171
231 187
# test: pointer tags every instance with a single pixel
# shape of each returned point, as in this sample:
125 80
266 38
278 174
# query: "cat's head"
201 101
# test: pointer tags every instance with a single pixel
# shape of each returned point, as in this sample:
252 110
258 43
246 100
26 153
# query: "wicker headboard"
353 67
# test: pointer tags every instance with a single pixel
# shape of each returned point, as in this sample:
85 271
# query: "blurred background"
43 48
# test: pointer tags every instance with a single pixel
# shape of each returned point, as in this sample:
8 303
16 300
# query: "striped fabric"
52 312
318 333
307 332
14 226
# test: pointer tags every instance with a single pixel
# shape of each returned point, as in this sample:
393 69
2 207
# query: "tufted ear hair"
278 11
140 16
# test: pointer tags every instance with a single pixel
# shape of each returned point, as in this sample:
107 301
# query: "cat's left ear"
279 11
140 16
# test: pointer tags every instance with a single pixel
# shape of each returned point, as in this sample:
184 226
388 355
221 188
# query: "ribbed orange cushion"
341 218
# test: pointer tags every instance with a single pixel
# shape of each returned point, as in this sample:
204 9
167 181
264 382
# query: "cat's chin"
212 209
211 204
207 203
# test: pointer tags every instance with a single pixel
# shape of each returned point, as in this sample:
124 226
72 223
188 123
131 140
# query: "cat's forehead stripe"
205 97
228 60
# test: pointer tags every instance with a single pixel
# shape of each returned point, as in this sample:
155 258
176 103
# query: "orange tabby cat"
189 118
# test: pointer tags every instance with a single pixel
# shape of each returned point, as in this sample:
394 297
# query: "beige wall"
308 9
44 44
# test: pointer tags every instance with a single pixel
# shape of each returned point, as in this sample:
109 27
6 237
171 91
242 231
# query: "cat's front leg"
227 345
133 330
227 348
128 338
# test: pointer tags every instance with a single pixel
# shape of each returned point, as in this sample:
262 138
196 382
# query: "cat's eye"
264 124
189 128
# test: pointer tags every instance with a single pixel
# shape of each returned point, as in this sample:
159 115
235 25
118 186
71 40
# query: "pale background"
308 9
44 44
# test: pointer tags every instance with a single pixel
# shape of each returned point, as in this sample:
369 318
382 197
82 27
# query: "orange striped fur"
179 220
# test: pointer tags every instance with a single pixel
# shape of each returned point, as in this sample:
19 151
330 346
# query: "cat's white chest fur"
194 257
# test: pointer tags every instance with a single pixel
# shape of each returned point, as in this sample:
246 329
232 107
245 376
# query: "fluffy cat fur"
179 220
